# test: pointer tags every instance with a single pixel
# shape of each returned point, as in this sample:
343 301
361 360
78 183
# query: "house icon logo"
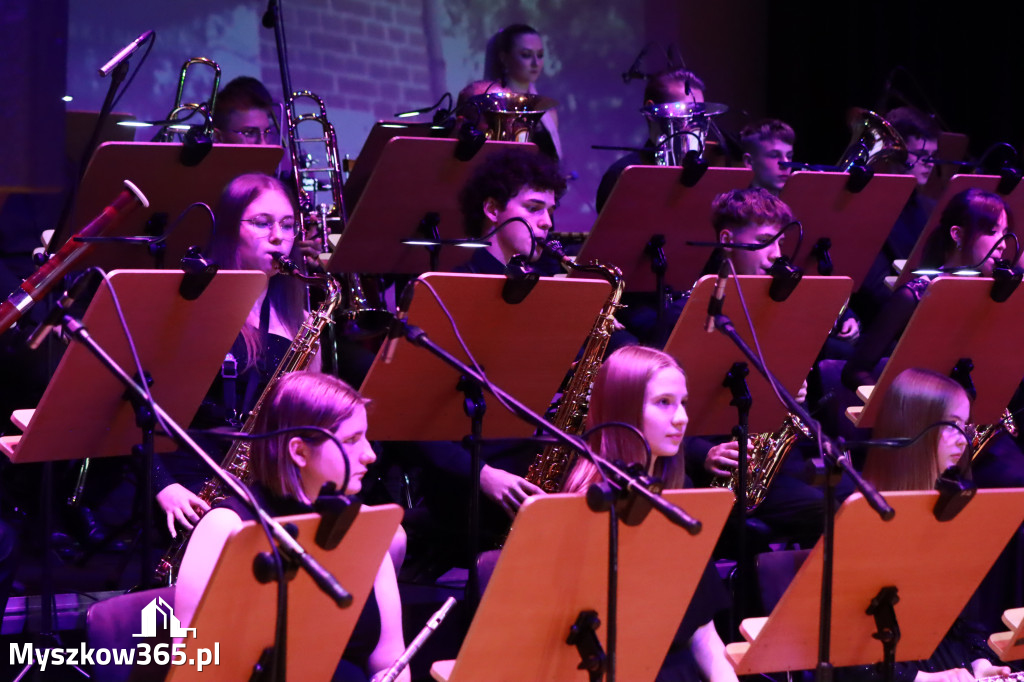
159 615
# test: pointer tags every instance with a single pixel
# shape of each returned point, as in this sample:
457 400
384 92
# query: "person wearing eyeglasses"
244 114
916 400
256 219
921 135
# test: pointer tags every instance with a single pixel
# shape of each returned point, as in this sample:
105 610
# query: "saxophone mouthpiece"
554 247
283 264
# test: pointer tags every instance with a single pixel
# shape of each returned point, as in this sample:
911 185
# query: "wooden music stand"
935 566
78 127
83 412
1010 645
648 201
555 565
237 612
952 146
986 332
412 178
855 224
156 168
791 335
381 133
525 348
958 183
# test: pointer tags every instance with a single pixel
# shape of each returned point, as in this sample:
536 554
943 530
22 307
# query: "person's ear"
748 160
299 451
957 234
491 209
726 236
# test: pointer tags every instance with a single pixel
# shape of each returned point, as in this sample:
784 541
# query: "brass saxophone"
764 458
981 435
550 467
298 357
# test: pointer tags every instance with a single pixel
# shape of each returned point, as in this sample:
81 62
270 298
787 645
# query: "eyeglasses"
914 158
256 136
265 223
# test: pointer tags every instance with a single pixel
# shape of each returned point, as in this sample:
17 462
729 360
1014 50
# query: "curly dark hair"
502 176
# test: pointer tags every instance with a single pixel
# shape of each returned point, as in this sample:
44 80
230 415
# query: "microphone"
397 328
519 280
126 52
269 19
56 316
718 297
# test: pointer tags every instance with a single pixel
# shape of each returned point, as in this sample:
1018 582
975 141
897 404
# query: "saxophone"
298 357
764 458
981 435
549 468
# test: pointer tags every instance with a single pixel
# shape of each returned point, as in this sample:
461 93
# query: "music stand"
170 186
983 331
236 612
1009 645
79 126
958 183
554 565
415 180
525 348
791 335
83 412
935 566
380 134
647 201
952 147
853 225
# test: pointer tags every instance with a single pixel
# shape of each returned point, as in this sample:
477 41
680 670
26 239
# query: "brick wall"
361 56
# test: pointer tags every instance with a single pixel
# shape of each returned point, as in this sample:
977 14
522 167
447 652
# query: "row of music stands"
488 295
440 154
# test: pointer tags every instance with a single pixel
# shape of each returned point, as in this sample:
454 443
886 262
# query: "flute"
398 666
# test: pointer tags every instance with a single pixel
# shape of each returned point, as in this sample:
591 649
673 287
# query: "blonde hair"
298 399
916 399
618 396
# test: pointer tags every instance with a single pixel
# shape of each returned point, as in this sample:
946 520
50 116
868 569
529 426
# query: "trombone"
315 174
181 112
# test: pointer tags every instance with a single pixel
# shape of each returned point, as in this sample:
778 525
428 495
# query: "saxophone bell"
764 460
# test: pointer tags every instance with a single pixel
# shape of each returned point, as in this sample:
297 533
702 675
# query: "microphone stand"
290 547
274 18
834 461
622 480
